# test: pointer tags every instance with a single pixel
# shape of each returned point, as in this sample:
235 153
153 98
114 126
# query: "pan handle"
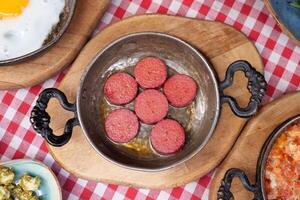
40 119
256 86
224 192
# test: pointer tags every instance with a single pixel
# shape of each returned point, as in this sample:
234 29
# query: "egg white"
27 32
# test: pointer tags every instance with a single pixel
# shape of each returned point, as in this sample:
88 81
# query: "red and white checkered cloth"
282 72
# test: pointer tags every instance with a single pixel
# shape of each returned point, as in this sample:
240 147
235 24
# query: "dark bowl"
56 33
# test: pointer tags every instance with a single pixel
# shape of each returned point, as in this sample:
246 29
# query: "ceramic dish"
199 118
287 16
54 36
258 188
49 188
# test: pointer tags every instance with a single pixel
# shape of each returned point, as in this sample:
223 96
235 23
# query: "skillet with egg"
28 27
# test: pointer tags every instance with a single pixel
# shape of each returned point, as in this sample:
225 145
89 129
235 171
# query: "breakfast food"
167 136
27 195
30 183
25 188
180 90
150 72
120 88
121 125
151 106
283 166
26 24
4 193
6 175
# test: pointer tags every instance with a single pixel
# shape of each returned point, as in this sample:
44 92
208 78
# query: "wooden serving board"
43 66
244 154
220 43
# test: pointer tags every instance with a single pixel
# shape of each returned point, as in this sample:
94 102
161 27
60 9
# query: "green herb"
295 4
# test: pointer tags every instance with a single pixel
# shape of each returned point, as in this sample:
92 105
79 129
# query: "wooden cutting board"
42 67
222 44
245 152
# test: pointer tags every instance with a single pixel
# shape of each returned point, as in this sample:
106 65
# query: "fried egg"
26 24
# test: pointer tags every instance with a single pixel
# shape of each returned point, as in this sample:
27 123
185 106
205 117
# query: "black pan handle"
256 86
224 192
40 119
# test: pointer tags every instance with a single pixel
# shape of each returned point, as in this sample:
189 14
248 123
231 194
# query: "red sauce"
282 176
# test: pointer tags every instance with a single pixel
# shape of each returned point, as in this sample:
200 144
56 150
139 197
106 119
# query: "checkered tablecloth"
282 72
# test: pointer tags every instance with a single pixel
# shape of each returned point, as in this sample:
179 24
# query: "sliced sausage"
121 125
120 88
180 90
151 106
167 136
150 72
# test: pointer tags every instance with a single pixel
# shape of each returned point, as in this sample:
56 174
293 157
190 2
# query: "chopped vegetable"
27 195
295 4
25 188
6 175
10 187
30 183
4 193
17 191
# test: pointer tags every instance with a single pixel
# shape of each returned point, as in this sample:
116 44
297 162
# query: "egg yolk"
12 8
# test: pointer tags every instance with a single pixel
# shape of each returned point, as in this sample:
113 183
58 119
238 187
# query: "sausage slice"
151 106
121 125
120 88
167 136
150 72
